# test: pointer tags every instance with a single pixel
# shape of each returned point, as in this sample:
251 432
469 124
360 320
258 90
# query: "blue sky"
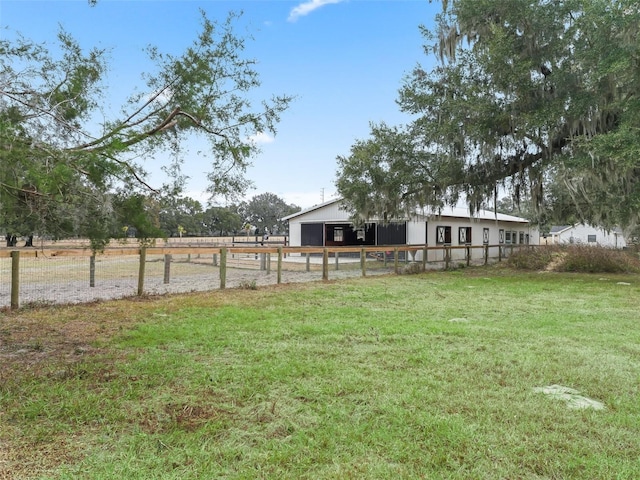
344 60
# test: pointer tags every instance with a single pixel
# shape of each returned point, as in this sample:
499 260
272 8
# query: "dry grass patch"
575 258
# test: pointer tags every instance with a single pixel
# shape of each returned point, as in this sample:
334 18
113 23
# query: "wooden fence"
370 257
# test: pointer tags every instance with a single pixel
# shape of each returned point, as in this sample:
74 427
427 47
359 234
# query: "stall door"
312 234
392 234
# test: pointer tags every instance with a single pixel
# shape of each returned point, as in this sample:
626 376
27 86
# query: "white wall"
330 212
416 232
295 234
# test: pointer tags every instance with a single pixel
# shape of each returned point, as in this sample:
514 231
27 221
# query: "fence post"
447 254
395 260
15 280
268 263
468 255
424 258
486 254
223 268
337 254
263 261
308 261
167 268
92 270
363 262
215 259
325 264
279 275
143 261
499 253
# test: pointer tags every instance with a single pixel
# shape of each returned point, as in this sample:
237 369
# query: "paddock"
78 275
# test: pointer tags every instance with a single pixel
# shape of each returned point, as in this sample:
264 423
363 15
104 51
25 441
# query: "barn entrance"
345 234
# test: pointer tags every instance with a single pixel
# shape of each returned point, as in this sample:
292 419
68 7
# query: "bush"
248 285
538 258
412 268
586 259
575 258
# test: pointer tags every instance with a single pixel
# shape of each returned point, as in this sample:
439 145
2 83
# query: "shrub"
537 258
248 285
587 259
575 258
412 268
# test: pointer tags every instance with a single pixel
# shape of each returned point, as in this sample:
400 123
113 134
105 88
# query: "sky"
343 60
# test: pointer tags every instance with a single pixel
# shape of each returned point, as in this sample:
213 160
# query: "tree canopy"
63 156
222 221
265 211
535 98
182 216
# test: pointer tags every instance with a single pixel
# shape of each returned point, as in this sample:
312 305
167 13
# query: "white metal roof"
457 212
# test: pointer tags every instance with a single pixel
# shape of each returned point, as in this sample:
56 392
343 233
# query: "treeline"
146 217
187 217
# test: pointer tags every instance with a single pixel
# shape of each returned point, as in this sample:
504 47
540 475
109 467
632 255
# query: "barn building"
328 224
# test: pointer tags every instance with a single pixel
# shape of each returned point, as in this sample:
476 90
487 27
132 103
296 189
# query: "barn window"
521 237
443 235
485 236
464 235
507 237
591 238
501 236
338 234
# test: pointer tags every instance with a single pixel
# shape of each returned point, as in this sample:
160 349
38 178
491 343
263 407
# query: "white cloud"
307 7
261 138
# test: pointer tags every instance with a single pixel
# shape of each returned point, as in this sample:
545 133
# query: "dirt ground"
36 344
58 281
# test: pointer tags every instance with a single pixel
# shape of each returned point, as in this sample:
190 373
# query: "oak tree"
534 99
222 221
265 211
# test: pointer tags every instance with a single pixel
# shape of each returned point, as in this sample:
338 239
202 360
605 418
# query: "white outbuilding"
585 235
329 224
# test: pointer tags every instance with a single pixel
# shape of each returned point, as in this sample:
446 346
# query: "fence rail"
77 275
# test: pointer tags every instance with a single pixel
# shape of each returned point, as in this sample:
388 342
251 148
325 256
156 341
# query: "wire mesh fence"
5 278
66 276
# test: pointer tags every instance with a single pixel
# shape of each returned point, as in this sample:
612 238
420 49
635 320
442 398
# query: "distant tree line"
146 217
186 217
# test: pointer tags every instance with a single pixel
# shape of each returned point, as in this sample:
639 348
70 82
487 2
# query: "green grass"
421 376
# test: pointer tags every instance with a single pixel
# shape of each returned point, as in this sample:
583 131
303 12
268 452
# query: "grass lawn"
419 376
